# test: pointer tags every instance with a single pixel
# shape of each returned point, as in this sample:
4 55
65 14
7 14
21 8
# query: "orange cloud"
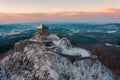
111 10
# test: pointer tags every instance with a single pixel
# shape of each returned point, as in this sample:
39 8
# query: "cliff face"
48 57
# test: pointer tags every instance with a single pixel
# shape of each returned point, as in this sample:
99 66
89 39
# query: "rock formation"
47 57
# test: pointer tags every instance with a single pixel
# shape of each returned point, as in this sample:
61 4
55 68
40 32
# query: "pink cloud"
107 16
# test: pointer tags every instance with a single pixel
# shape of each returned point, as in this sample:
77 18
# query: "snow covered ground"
66 47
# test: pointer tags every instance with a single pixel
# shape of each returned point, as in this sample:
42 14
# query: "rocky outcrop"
47 57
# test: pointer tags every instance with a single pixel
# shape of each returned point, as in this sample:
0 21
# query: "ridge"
45 56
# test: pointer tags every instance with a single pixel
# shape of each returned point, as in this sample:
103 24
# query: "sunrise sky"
60 10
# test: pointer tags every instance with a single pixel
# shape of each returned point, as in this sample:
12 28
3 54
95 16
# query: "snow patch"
112 31
65 47
75 31
108 44
40 26
77 51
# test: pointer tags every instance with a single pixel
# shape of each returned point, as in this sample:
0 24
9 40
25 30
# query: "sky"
60 10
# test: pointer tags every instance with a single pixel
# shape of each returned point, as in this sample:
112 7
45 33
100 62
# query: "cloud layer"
109 15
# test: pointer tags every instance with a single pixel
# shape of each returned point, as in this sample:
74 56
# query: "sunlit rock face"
48 57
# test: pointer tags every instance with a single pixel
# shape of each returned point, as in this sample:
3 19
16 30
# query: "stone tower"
41 31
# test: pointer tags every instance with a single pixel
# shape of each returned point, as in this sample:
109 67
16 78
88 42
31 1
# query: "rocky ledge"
45 56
